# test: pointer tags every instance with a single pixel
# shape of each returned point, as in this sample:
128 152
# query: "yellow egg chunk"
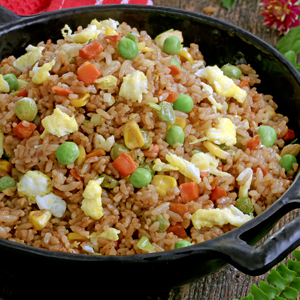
133 86
206 162
33 184
219 217
59 124
92 203
109 234
162 183
107 82
107 27
4 86
159 166
133 137
31 57
81 101
39 218
40 74
211 99
102 143
243 191
91 32
185 167
222 84
223 133
215 150
71 49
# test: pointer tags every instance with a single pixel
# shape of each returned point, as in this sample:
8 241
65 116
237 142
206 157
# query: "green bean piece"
163 223
197 151
287 162
133 37
183 103
5 156
67 153
140 177
244 205
148 166
12 81
166 114
6 182
172 45
117 150
127 48
147 139
26 109
109 182
267 135
175 135
231 71
182 244
174 62
223 146
238 141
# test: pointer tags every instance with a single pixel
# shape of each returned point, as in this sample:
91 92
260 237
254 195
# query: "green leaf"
249 297
291 56
297 252
269 290
296 283
278 298
258 293
286 272
276 279
290 293
228 3
293 265
291 41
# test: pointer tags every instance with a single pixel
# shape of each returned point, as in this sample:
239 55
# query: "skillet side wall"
219 45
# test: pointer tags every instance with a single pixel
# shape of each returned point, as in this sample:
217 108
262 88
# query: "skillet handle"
7 16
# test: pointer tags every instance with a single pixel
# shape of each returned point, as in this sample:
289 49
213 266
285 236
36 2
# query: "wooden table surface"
228 283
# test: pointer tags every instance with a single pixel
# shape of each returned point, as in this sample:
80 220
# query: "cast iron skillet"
220 43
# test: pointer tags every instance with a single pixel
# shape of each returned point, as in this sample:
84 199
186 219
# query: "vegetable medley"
203 172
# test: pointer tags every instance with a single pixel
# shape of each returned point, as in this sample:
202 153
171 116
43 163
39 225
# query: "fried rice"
134 214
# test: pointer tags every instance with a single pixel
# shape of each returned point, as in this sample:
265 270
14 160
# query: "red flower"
281 14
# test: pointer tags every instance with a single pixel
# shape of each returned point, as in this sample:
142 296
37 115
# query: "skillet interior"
220 43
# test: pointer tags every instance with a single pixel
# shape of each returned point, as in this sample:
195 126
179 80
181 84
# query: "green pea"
287 162
133 37
183 103
163 223
127 48
117 150
267 135
231 71
244 205
147 139
166 114
108 181
12 81
182 244
175 135
174 62
6 182
172 45
140 177
26 109
67 153
149 167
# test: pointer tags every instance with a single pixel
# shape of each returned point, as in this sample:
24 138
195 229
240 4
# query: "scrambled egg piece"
109 99
222 84
243 192
143 48
185 167
206 162
40 74
32 56
220 217
33 184
107 82
51 202
133 86
92 203
59 124
101 142
159 166
211 99
71 49
223 133
109 234
106 26
4 86
159 40
91 32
